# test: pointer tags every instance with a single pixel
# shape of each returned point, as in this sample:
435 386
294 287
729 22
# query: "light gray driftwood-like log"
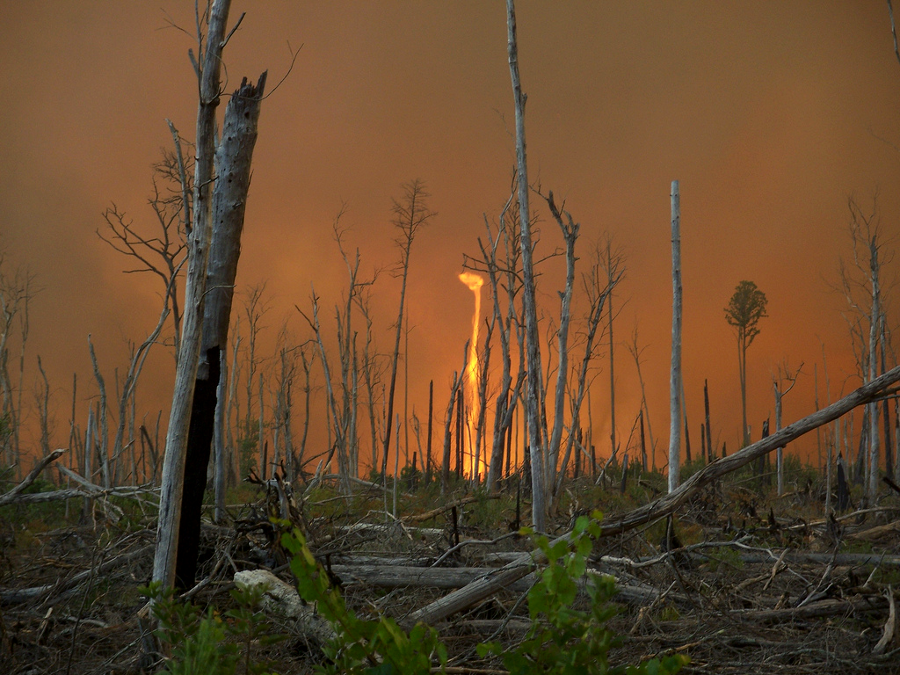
403 576
483 587
74 493
11 496
283 600
831 607
667 504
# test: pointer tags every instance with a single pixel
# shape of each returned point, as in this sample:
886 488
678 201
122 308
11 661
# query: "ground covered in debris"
740 581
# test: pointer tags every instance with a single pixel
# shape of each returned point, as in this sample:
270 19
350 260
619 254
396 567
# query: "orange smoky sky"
770 114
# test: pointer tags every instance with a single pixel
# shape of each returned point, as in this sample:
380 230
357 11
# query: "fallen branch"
890 625
10 496
396 576
74 493
479 589
37 592
421 517
832 607
876 532
662 507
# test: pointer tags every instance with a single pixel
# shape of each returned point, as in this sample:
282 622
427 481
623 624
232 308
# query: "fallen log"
428 515
481 588
669 503
876 532
12 597
14 495
283 600
814 610
397 576
390 528
74 493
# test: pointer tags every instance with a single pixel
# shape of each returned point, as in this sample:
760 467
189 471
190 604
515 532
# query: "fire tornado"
474 282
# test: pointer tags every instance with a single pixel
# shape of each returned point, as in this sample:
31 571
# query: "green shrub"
372 646
563 639
211 643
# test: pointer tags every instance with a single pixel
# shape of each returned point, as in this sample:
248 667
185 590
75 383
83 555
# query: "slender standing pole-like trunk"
430 419
872 464
448 420
886 409
88 451
569 231
829 459
779 453
709 450
684 417
535 377
675 379
410 216
612 362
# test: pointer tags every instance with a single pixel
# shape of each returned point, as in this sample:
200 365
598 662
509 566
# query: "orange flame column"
474 282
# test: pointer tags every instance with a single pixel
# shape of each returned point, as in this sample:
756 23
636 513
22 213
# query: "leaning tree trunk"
675 389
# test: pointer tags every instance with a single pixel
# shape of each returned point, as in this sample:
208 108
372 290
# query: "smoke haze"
769 114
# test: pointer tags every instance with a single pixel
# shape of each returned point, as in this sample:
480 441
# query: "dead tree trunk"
428 441
198 237
569 231
675 380
187 444
777 385
888 454
455 384
534 391
411 215
709 450
233 161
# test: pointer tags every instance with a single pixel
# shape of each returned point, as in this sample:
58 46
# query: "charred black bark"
199 443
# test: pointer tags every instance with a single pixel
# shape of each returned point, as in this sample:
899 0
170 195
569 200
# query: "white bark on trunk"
534 391
198 251
219 455
570 235
675 379
779 454
872 485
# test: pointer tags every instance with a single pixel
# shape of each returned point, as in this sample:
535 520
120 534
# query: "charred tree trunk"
709 450
448 421
198 236
233 161
428 441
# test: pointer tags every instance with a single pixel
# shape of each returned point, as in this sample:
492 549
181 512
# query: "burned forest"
376 377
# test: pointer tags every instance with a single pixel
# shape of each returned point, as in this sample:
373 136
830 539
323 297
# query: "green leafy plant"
371 646
211 643
563 639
